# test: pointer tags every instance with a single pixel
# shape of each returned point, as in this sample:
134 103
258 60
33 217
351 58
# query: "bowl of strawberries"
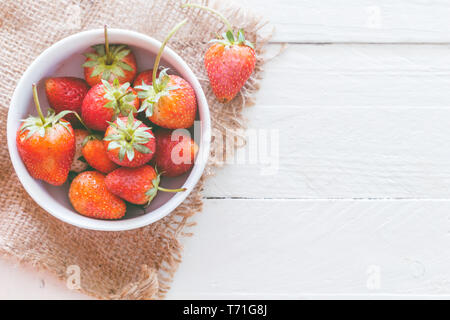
109 129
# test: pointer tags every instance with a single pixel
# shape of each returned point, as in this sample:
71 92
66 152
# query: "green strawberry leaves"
90 137
40 124
36 125
151 193
100 49
228 39
152 93
229 35
129 136
124 65
120 98
98 61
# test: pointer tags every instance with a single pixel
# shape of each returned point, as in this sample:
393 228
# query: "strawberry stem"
82 122
123 95
171 190
37 104
108 53
217 13
163 45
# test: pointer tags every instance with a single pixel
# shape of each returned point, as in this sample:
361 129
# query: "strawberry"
169 101
129 142
176 151
46 145
109 62
229 62
105 101
66 93
145 77
94 152
136 185
77 164
173 105
90 197
229 67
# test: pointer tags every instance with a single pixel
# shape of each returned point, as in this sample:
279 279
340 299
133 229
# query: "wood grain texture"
363 172
357 75
353 121
287 249
353 152
366 21
25 282
330 248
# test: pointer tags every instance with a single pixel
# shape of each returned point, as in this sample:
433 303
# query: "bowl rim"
204 144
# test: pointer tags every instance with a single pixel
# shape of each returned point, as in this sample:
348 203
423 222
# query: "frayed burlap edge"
153 282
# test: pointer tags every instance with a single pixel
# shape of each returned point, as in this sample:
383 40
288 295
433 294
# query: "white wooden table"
359 206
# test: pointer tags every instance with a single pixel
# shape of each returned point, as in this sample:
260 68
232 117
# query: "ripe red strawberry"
170 100
46 145
229 68
136 185
94 152
109 62
79 165
173 105
129 142
175 152
105 101
90 197
66 93
229 62
145 77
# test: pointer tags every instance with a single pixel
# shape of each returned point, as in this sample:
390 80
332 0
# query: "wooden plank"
353 152
381 21
357 75
353 122
309 249
25 282
296 249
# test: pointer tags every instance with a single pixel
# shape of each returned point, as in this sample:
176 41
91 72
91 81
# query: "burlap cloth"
137 264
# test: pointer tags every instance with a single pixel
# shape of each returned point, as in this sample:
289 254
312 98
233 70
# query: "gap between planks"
327 199
350 43
364 122
306 248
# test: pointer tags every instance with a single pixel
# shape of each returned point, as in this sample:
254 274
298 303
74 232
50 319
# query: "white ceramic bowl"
64 58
